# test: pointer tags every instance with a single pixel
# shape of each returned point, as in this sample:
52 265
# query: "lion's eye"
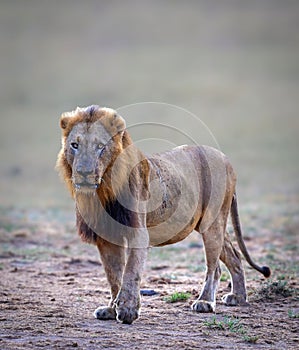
101 145
74 145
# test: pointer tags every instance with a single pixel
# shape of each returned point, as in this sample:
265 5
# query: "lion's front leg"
113 259
128 299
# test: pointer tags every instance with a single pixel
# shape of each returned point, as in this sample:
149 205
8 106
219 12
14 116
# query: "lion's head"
91 139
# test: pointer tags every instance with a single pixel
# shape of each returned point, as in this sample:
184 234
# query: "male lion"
126 202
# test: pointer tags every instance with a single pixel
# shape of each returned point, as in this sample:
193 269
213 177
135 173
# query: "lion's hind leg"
213 240
113 259
232 259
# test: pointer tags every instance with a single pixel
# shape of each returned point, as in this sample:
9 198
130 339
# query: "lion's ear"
66 117
112 121
118 122
64 120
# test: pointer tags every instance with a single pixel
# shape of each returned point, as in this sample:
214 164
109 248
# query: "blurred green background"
234 64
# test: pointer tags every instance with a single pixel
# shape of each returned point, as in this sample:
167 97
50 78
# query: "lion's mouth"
85 186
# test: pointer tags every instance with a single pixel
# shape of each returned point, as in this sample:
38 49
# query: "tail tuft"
266 271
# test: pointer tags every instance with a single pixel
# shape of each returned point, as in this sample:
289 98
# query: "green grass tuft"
213 323
293 314
250 339
271 289
231 324
177 296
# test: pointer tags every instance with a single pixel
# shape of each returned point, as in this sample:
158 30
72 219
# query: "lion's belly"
172 222
163 236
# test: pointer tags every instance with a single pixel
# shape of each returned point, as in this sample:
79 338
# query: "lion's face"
85 149
91 142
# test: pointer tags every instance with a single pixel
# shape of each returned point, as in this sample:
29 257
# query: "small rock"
148 292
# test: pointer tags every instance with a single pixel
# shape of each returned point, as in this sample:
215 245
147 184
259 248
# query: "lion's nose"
84 171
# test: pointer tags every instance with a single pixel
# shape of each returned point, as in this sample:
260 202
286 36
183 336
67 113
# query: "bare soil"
51 283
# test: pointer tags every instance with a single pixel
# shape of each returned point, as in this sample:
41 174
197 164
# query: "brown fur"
194 188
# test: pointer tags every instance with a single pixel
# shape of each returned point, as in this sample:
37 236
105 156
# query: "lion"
127 202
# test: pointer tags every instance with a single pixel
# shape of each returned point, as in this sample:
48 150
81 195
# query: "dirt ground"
233 64
51 283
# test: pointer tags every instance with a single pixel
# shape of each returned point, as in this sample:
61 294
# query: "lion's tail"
238 232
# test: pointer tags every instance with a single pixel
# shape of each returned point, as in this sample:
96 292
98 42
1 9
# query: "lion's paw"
127 307
105 313
203 306
127 315
234 300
